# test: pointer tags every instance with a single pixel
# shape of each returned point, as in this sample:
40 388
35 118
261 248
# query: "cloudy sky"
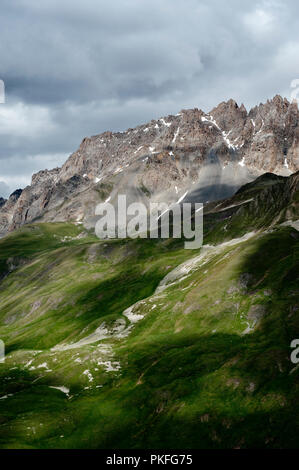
76 68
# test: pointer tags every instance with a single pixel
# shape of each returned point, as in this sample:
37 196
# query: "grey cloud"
86 67
4 190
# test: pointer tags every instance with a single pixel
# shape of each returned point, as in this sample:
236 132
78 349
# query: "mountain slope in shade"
209 155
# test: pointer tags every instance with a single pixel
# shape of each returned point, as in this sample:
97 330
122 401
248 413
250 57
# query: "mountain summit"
208 155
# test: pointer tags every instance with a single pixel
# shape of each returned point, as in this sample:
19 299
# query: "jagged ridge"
209 155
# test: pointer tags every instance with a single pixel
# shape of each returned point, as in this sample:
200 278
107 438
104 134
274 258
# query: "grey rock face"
205 157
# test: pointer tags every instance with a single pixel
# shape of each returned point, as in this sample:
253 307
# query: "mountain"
140 343
209 155
128 344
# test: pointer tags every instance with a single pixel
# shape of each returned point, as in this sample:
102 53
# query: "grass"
185 377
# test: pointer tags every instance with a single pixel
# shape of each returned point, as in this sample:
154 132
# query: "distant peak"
16 194
278 100
233 103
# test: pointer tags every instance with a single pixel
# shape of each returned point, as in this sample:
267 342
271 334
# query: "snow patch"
262 127
44 365
6 396
139 148
62 389
175 135
225 135
242 162
210 120
88 374
167 124
227 141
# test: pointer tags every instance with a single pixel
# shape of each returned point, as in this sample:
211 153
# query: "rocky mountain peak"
205 155
228 115
44 176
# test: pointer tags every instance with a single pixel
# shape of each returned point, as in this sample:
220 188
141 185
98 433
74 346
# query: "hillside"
142 344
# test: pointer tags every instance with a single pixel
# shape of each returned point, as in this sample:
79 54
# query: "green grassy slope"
187 375
201 360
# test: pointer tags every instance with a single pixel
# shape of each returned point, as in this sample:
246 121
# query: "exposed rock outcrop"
210 156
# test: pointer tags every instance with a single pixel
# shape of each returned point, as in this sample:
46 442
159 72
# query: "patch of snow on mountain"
286 165
242 162
175 135
225 135
88 374
136 151
168 124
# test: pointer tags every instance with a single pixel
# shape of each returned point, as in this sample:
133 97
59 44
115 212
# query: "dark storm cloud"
74 68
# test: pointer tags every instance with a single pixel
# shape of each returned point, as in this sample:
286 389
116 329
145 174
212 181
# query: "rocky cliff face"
202 156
